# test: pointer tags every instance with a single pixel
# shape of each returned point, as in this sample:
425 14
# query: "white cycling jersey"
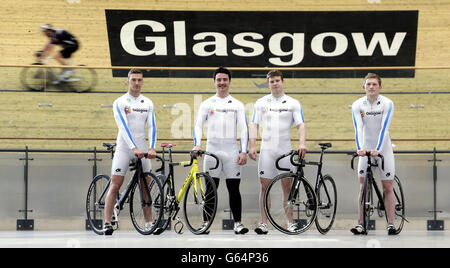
371 122
276 116
223 116
131 115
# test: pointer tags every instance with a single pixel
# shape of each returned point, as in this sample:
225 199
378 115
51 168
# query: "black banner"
263 39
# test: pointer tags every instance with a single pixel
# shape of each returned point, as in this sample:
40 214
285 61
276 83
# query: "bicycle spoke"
95 202
327 200
145 201
290 210
200 203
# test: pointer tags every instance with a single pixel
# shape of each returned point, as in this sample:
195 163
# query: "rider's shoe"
240 229
108 229
358 230
261 229
391 229
293 227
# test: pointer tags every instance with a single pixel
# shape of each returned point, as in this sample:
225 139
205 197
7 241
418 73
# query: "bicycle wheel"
82 80
166 207
35 78
95 202
144 215
400 211
200 203
366 201
290 216
327 204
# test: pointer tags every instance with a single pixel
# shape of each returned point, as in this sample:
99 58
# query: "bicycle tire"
35 78
400 209
366 200
137 204
82 80
276 208
95 209
326 194
200 205
167 206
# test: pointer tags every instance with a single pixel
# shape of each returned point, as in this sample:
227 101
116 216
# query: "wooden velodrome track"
80 121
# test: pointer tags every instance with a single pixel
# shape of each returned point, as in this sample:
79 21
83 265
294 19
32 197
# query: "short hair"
274 73
222 70
372 75
134 71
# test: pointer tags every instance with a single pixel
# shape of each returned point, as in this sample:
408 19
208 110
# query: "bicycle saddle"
168 145
325 145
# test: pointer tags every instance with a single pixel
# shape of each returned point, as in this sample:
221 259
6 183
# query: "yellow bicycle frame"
193 175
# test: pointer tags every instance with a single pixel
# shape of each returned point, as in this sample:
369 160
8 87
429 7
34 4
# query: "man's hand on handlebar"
373 153
138 153
151 153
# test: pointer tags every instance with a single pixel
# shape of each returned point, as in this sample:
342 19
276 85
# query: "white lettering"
219 43
239 39
127 38
378 38
179 35
297 51
341 44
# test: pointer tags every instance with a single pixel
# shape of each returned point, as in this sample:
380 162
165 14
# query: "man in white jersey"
224 115
372 116
276 113
134 115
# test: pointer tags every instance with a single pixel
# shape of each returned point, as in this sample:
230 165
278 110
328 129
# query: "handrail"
235 68
188 151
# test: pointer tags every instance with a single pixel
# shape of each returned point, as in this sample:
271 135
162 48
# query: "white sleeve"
122 124
151 125
198 125
243 127
358 124
298 114
256 117
388 113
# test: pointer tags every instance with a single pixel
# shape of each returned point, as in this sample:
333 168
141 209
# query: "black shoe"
391 229
261 229
358 230
240 229
108 229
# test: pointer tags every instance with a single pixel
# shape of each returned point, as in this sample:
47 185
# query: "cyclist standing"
132 113
372 116
62 38
276 113
224 115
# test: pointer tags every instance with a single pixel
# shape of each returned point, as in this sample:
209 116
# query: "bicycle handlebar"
354 155
292 154
199 153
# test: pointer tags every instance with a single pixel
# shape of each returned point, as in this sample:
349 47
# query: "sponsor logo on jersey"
374 113
127 110
140 110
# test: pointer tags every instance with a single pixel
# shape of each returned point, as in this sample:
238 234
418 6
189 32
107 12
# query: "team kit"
275 114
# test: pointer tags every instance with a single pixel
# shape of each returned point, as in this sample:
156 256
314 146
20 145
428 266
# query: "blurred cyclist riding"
64 39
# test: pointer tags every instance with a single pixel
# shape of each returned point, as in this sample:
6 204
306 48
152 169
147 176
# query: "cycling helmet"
46 27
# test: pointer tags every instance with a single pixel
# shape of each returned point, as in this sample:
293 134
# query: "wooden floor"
78 121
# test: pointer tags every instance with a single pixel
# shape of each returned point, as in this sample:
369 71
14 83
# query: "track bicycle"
326 192
142 193
290 202
367 198
38 78
199 195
